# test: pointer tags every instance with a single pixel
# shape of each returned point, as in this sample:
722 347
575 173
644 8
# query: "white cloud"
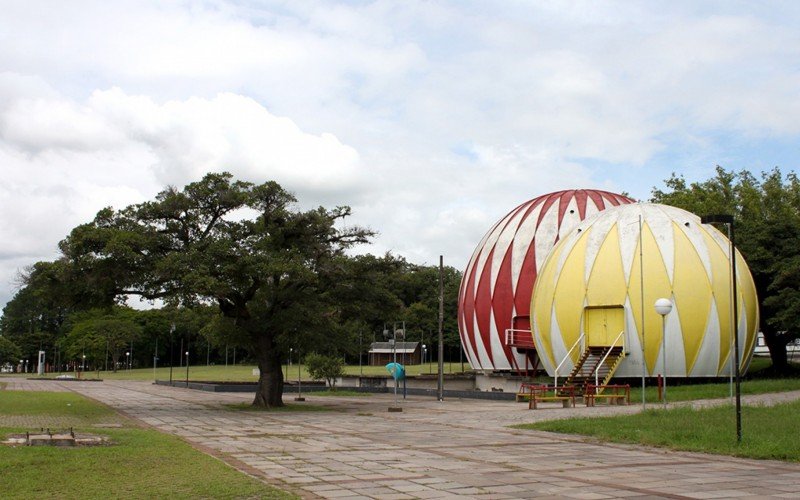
433 119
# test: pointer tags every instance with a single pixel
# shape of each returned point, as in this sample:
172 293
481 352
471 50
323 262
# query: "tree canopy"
269 267
766 210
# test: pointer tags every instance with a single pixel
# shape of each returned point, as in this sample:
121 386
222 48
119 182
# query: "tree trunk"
776 343
269 393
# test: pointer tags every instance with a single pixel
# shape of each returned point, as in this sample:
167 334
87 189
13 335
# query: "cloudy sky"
431 119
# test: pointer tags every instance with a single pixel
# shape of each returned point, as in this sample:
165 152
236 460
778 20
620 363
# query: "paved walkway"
432 450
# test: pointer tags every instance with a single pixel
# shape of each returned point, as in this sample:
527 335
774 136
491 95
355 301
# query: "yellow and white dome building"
600 282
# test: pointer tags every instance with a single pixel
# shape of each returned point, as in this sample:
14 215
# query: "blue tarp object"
396 370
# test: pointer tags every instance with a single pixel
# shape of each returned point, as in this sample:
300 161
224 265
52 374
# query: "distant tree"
767 227
33 318
271 275
9 351
322 367
101 332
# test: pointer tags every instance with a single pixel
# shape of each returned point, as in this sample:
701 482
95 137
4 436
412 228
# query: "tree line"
236 265
230 264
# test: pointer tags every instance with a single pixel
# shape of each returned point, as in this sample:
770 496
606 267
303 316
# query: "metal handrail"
510 337
555 383
613 344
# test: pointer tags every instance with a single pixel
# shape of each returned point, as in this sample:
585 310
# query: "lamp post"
187 368
83 366
663 307
128 359
728 220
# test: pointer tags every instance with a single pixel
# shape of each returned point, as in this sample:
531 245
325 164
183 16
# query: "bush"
328 368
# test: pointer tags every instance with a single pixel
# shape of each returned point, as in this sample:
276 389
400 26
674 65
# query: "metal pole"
664 353
171 358
641 287
394 359
736 339
187 362
734 329
440 385
155 360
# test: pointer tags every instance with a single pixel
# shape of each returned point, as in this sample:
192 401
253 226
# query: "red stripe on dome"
525 282
503 301
581 197
598 200
469 313
548 202
483 305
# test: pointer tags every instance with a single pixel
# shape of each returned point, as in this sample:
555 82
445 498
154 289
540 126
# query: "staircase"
604 359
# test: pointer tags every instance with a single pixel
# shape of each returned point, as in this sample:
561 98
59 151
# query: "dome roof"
498 282
598 266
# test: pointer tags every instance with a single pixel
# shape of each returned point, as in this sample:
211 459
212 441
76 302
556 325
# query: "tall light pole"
663 307
728 219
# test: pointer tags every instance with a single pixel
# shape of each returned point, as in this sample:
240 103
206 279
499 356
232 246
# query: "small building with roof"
408 353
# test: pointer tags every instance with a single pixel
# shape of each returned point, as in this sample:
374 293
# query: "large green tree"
268 266
767 233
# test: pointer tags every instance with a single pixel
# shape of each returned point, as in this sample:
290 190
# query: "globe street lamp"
128 359
663 307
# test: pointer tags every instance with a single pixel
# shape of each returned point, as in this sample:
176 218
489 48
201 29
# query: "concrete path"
432 450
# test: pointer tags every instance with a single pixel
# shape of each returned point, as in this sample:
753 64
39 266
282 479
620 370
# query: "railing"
613 345
516 337
555 383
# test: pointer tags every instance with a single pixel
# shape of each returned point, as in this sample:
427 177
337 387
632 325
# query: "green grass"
768 432
140 463
244 373
339 392
689 392
53 404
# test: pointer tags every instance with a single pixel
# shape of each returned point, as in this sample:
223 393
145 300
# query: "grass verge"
339 392
689 392
141 462
768 431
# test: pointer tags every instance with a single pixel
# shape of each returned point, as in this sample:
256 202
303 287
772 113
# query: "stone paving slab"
455 448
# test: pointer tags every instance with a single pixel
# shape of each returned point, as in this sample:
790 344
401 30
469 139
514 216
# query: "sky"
432 120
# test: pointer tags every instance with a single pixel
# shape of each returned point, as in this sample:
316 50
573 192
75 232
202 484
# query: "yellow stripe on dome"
692 294
721 289
542 303
569 293
656 285
606 284
748 296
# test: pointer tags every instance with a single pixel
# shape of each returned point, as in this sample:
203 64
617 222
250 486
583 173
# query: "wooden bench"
544 393
614 394
524 392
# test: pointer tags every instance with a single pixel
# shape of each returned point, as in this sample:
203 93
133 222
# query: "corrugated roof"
386 347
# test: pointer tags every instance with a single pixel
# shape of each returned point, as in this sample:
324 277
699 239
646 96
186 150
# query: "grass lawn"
717 390
768 432
141 463
244 373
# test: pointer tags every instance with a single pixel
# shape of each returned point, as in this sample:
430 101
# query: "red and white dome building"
496 288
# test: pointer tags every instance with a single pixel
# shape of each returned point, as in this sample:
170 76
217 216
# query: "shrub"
324 367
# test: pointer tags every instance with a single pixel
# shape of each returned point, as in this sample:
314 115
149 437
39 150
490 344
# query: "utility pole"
440 385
